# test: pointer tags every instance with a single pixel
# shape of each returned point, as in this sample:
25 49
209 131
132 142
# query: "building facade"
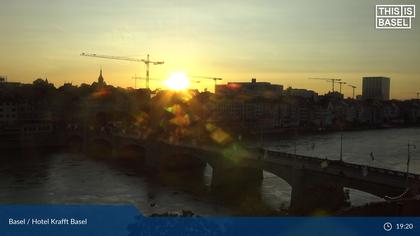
376 88
8 112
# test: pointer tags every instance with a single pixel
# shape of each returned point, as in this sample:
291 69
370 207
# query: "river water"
65 178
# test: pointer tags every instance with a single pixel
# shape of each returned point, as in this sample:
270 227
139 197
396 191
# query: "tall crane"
353 88
215 79
146 61
332 80
341 83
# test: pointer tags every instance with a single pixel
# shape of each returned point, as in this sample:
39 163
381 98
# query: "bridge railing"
316 161
275 155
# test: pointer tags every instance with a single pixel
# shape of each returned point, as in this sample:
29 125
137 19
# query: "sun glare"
177 81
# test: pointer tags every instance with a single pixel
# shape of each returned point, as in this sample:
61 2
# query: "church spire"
101 78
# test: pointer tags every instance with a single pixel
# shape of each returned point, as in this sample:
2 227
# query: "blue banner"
125 220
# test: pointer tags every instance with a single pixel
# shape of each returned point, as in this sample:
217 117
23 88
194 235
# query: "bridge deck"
334 167
280 157
260 156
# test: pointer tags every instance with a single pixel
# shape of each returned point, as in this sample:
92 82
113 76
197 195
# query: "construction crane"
341 83
146 61
353 88
332 80
215 79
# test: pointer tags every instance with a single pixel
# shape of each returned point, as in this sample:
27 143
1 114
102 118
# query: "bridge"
316 183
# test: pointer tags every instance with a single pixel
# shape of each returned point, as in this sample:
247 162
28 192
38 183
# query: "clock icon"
387 226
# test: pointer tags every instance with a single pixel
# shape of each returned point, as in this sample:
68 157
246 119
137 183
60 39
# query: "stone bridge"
316 183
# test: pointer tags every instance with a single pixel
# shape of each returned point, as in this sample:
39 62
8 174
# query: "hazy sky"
283 42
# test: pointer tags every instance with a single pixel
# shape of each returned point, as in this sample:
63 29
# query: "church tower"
101 81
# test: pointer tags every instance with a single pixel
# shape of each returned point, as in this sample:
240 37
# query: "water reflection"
67 178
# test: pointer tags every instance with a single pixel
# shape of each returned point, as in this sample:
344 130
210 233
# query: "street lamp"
341 145
409 146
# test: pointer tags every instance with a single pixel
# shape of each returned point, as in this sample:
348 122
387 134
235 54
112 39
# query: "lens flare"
177 81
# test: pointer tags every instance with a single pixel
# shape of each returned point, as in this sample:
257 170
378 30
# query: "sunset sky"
280 41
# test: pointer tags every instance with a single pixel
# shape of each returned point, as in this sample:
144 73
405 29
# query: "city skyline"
237 41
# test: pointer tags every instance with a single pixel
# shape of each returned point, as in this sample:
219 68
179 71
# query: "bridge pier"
236 177
164 158
312 194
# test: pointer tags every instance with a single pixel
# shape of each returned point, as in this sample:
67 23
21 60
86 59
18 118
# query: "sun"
177 81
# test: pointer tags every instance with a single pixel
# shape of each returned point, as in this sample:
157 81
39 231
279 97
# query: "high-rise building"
376 88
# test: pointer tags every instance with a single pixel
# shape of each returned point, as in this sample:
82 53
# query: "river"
65 178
